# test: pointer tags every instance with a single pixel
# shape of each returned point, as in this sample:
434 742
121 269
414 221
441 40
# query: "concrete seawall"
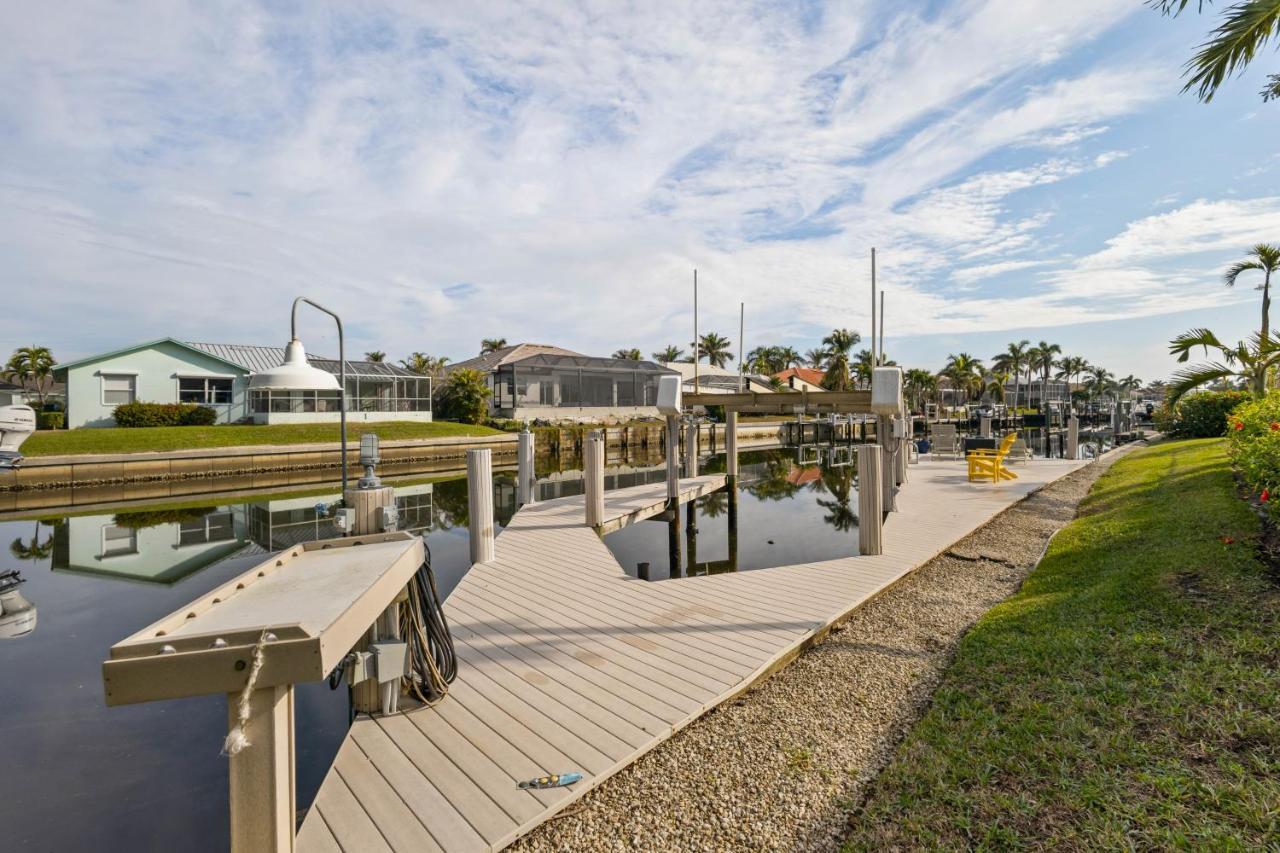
305 460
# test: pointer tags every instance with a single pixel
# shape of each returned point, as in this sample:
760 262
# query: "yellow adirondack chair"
989 464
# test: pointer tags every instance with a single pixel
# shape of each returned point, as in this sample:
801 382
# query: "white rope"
236 738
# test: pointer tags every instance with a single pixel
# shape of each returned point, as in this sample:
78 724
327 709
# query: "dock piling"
480 504
673 462
870 506
526 486
593 474
731 443
1073 437
691 449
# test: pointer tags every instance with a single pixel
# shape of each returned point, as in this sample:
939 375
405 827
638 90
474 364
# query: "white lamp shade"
295 374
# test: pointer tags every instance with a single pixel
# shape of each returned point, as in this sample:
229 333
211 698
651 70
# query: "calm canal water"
81 776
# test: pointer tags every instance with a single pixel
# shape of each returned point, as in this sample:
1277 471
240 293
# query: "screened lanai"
373 388
564 382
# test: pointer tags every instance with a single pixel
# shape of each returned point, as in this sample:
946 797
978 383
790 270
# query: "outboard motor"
16 423
17 615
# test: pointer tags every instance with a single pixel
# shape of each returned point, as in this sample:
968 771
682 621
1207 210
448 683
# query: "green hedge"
1200 415
1254 433
163 415
50 420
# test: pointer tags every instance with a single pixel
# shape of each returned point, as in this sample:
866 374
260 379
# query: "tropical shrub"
139 414
50 420
465 396
1254 442
1199 415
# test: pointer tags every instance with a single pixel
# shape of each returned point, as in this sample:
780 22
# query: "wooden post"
904 448
673 462
884 436
526 481
870 506
984 426
731 443
263 809
480 503
593 475
691 449
367 696
1073 437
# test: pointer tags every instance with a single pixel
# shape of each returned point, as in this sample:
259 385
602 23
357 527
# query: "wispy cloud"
451 171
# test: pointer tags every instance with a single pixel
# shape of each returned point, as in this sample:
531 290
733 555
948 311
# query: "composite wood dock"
568 664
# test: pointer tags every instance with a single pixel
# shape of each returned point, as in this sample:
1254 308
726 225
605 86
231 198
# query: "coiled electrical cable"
433 663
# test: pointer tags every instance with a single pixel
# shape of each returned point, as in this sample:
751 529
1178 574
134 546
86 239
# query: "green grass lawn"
118 440
1127 697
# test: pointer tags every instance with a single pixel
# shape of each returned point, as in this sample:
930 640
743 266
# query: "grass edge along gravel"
1127 696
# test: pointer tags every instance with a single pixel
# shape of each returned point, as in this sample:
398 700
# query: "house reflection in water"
165 545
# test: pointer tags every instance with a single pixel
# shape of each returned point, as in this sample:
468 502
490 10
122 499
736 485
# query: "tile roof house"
802 378
217 375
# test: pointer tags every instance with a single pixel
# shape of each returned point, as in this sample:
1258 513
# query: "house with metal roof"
543 382
217 375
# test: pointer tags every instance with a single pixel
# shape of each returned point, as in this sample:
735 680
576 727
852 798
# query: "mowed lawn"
1128 697
134 440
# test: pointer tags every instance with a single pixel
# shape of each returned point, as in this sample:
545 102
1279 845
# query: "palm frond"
1233 272
1246 27
1188 380
1182 345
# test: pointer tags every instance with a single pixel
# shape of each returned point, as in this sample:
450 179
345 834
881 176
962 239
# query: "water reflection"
782 510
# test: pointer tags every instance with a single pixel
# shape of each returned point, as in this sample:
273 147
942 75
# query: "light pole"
296 374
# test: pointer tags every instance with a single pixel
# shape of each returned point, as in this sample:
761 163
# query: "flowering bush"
1200 415
1253 430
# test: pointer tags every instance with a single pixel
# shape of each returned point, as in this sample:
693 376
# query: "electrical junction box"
344 519
388 518
669 392
391 660
359 667
886 390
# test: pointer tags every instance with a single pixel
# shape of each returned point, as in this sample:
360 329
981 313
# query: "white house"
217 376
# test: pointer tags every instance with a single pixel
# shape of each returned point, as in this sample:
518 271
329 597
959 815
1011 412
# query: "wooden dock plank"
568 663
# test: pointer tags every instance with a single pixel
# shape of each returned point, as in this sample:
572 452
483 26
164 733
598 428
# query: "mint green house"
217 376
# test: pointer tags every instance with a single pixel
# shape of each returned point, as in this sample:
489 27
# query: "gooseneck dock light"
296 374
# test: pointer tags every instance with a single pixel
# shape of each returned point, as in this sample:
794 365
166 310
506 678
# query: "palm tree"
714 348
489 345
632 354
1069 369
35 549
1129 383
1041 358
1012 360
1265 259
1099 382
919 385
668 354
31 367
996 383
816 357
1244 29
377 356
965 373
431 366
838 344
789 357
1246 362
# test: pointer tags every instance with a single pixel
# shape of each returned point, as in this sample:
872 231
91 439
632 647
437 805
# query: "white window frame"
177 386
133 539
102 385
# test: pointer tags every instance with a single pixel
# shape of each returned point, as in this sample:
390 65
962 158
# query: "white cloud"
187 169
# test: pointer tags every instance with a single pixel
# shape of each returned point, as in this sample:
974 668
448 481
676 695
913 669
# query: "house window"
118 388
118 541
206 390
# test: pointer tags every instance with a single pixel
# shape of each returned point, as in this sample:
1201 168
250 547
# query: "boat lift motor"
17 615
16 423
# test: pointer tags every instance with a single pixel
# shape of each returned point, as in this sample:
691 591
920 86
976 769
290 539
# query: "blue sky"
553 172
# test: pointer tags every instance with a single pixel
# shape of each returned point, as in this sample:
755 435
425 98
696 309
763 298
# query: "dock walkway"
566 663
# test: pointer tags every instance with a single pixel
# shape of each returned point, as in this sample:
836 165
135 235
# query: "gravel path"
783 766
